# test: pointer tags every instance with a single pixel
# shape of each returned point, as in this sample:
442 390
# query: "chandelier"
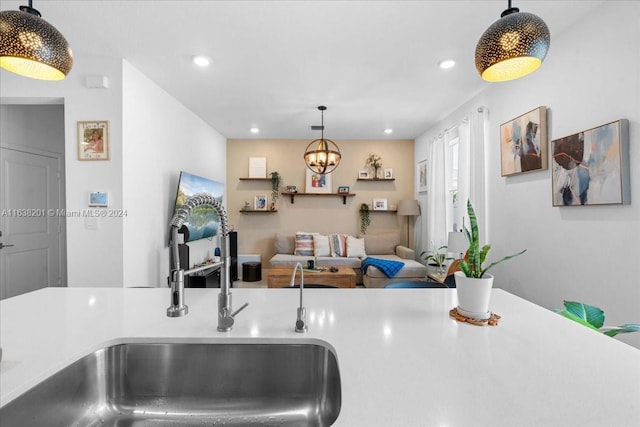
322 155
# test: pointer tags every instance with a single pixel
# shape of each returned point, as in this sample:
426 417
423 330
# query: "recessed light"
254 130
388 131
445 64
201 60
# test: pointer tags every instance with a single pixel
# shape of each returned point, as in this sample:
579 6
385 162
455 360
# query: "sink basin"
187 384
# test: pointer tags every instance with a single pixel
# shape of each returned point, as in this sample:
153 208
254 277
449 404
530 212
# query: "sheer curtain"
437 194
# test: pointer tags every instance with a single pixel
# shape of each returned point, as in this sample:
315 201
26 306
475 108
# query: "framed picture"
292 189
379 204
318 183
388 173
523 143
93 140
592 167
421 173
363 174
343 189
260 202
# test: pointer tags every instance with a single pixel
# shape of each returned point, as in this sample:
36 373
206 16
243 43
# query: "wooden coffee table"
345 277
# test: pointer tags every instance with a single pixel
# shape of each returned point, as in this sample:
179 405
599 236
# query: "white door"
30 241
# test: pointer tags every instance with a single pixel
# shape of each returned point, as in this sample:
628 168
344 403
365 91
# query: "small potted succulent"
473 284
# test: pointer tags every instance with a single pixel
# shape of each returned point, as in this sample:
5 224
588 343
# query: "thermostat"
98 199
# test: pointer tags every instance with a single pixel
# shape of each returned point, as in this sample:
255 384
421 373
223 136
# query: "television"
203 221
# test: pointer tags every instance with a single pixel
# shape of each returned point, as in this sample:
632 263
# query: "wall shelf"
255 179
343 195
257 211
384 211
376 179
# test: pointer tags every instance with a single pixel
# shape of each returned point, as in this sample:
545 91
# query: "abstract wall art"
592 167
523 143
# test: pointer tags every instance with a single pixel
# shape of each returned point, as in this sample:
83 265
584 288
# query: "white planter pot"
474 295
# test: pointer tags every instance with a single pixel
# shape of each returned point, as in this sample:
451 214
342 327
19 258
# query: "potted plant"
365 220
593 317
276 179
473 284
375 162
436 258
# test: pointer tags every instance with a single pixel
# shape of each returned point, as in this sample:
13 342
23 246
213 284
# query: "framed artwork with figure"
318 183
93 140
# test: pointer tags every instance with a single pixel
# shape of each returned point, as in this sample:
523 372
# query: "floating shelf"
381 210
255 179
258 211
343 195
376 179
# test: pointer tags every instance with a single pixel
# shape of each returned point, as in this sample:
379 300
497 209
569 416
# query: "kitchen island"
403 361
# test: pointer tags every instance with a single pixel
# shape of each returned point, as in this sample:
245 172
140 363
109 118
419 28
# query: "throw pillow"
338 245
304 244
284 244
355 247
321 245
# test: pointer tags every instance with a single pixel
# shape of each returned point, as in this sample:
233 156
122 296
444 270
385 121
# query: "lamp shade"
457 242
32 47
408 208
512 47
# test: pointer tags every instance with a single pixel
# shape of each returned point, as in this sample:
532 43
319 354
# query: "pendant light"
513 46
322 155
32 47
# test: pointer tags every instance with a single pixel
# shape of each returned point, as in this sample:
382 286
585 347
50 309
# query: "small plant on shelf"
276 179
365 219
375 162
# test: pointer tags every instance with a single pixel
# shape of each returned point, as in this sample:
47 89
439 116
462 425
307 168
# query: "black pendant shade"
513 46
32 47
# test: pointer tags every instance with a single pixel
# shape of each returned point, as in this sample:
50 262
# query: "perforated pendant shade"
32 47
512 47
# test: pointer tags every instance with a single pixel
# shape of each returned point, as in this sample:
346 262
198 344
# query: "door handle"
5 246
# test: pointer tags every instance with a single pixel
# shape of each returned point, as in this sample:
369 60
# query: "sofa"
345 250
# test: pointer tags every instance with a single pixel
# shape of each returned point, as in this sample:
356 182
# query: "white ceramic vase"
473 295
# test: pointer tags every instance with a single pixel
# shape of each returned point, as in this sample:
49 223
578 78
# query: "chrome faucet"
178 308
301 320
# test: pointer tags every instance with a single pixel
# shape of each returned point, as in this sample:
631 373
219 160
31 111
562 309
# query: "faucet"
301 320
178 308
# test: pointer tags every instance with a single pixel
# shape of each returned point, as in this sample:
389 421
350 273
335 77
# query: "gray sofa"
382 245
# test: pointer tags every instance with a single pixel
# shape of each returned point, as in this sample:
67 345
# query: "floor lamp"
408 208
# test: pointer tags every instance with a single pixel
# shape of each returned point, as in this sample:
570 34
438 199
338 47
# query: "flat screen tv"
203 221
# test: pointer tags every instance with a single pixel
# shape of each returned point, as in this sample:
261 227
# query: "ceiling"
374 64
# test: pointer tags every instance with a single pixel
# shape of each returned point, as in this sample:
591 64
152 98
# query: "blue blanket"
389 267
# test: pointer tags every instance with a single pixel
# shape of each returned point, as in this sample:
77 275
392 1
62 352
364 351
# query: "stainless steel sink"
187 384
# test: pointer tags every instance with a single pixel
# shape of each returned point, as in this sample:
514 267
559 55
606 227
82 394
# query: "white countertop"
403 361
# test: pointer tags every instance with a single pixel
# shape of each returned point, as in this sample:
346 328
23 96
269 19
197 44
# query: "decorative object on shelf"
32 47
374 162
292 189
593 317
246 206
388 173
422 176
379 204
437 258
343 189
513 46
408 208
257 167
523 143
93 140
473 283
322 155
592 167
276 179
365 219
317 182
260 202
363 174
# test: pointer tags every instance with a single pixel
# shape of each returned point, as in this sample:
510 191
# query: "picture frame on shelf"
523 143
292 189
388 173
317 183
363 174
343 189
260 202
380 204
421 174
93 140
591 167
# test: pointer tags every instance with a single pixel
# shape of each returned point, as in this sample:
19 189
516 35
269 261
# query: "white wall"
94 256
162 137
590 77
